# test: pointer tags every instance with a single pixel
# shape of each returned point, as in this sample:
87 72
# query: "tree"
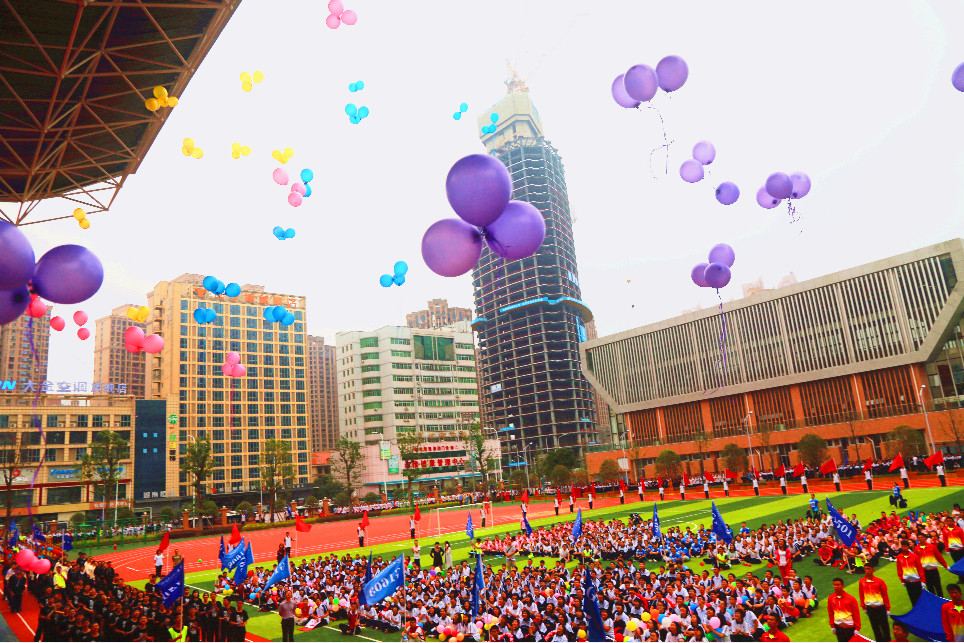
734 458
765 431
560 476
244 507
669 464
311 503
78 519
102 465
206 509
580 476
10 463
813 450
166 514
518 479
478 453
700 439
410 453
327 487
851 420
198 464
371 497
348 462
555 457
907 441
951 428
276 470
609 471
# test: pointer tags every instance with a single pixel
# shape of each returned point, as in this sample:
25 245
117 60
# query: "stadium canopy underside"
74 76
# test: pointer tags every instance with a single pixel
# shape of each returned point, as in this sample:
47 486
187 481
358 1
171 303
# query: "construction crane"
513 83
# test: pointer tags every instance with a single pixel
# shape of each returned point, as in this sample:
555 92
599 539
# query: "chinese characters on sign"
30 386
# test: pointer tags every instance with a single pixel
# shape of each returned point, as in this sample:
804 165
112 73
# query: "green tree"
277 472
342 499
311 503
813 450
609 471
166 514
701 440
328 487
580 476
851 419
565 457
560 476
951 428
734 458
410 453
77 520
11 460
518 479
765 432
197 464
669 464
371 497
125 514
206 509
347 462
244 507
906 441
102 465
479 456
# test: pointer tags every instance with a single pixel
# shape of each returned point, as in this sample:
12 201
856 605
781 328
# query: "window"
434 348
372 393
368 342
125 420
51 420
404 391
400 366
397 353
370 380
98 421
370 367
371 405
78 437
365 356
401 340
62 495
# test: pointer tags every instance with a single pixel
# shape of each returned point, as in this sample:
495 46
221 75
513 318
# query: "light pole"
524 457
622 444
749 445
920 394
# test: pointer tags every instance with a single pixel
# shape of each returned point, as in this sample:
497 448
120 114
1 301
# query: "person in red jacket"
952 614
876 602
774 633
910 571
953 537
931 560
844 612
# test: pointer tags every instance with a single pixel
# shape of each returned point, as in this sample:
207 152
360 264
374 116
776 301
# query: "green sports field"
754 511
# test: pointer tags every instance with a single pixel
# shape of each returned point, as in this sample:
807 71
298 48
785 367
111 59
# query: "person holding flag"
469 529
171 587
417 517
936 462
590 608
659 485
592 492
828 467
577 527
640 489
727 476
362 600
622 491
558 491
801 472
525 526
525 502
898 464
685 480
478 587
781 472
720 528
706 485
657 532
571 502
868 477
756 481
362 527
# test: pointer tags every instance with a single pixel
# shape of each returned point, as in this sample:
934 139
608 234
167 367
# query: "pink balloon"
299 188
232 358
25 558
295 199
333 21
37 308
238 370
57 323
336 7
83 333
349 17
42 566
133 347
80 318
226 369
153 344
280 176
134 335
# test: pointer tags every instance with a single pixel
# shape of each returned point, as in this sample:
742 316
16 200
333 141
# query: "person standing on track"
873 597
361 535
557 505
158 562
706 488
903 477
783 484
868 478
417 555
411 523
590 497
939 469
481 511
570 503
640 490
836 480
288 544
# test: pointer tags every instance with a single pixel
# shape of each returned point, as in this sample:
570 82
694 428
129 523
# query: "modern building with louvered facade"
848 356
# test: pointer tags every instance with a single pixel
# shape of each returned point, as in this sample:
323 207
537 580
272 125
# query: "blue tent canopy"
924 619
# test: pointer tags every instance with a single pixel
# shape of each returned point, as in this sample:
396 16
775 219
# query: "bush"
371 497
311 502
78 518
244 507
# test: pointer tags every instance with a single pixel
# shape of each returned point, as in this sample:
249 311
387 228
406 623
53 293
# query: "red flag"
780 471
559 494
364 520
869 464
756 474
828 467
709 478
898 463
799 470
525 495
165 541
686 480
934 460
301 525
729 474
235 535
577 492
418 514
622 485
592 488
659 481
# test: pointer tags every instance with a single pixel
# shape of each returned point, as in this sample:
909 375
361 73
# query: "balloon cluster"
641 82
356 86
339 15
716 272
246 80
278 314
213 284
238 150
29 562
161 99
138 314
188 149
135 341
80 318
692 169
489 129
81 217
281 234
479 189
67 274
204 315
355 114
780 186
957 78
463 107
283 156
232 366
300 190
398 278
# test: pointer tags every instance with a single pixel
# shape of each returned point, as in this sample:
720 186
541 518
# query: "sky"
855 94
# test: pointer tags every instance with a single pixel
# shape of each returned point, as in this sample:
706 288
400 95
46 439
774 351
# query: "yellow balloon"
160 92
171 101
79 214
235 147
186 150
246 86
143 311
289 152
631 626
644 617
581 634
188 142
152 104
162 102
245 77
85 224
276 155
197 152
245 150
132 314
235 155
258 76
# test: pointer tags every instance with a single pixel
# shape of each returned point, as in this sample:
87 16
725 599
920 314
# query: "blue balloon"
199 315
401 268
360 85
287 320
290 233
220 289
362 112
350 109
494 118
385 281
464 107
209 315
277 230
351 87
210 283
307 175
279 313
232 290
398 279
354 120
307 191
457 115
269 314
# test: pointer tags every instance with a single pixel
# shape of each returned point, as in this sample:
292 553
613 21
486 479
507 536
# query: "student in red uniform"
844 612
774 633
952 614
910 572
931 560
953 537
876 602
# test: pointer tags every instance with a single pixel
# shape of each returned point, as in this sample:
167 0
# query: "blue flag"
577 526
368 577
720 528
590 607
288 510
281 572
846 531
478 586
241 572
469 529
171 586
222 551
38 535
385 582
68 543
14 533
525 524
249 555
657 532
231 559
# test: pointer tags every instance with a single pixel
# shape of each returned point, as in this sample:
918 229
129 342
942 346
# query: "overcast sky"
857 94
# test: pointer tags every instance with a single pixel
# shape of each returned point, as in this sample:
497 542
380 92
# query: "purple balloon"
641 82
518 233
765 200
779 185
691 171
957 78
722 253
68 275
619 93
801 185
704 152
697 275
478 188
717 275
451 247
16 257
727 193
12 303
672 73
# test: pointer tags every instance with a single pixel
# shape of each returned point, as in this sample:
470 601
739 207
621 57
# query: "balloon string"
792 211
666 143
36 422
721 362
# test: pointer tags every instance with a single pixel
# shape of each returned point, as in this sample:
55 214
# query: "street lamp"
920 395
524 457
622 444
749 445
